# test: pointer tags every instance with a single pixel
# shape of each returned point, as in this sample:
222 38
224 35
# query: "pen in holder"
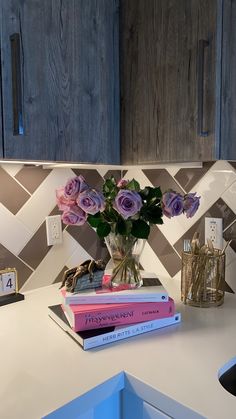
203 276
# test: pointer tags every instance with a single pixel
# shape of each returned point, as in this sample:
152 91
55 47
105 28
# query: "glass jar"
203 279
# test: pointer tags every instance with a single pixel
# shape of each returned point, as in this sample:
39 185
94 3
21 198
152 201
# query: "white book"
97 337
152 290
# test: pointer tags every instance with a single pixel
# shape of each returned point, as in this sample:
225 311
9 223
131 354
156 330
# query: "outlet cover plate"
54 230
214 231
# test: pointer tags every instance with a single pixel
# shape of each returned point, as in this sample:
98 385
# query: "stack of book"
101 316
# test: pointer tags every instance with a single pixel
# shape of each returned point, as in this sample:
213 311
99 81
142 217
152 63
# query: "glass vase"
125 252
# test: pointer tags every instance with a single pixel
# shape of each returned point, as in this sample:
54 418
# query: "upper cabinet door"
168 54
60 81
228 84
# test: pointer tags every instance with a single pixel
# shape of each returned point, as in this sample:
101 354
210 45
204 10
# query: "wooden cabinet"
60 84
178 84
228 82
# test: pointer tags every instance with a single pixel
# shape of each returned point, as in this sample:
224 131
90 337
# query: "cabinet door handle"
202 44
17 105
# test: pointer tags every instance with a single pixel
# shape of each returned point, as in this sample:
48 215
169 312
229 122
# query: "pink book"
95 316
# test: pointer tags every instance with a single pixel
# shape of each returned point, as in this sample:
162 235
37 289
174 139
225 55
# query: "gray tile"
188 177
164 251
8 260
116 173
60 275
233 245
36 248
162 178
89 240
227 288
92 177
12 195
230 234
32 177
233 164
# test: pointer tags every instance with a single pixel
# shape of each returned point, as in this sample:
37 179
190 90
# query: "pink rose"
122 183
63 202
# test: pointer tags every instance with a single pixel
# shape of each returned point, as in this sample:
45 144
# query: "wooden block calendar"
9 287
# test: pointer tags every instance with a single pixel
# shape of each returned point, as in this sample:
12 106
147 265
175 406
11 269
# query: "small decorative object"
87 275
122 214
9 287
203 275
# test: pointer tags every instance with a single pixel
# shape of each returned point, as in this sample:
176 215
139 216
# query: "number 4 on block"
8 283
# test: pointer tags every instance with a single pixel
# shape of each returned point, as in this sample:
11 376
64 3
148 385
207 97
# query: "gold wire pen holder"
203 278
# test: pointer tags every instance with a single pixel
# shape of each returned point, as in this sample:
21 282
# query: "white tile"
172 170
229 196
138 175
230 275
230 255
42 202
12 169
52 264
177 277
210 188
173 228
79 256
151 263
102 171
14 234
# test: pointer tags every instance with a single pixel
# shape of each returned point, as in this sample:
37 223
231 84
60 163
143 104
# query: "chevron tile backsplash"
27 196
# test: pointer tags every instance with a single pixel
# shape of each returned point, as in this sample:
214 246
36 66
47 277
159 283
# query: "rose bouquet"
122 213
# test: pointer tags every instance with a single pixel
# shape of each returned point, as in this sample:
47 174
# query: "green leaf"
110 188
103 229
123 227
110 214
140 229
95 219
152 214
133 185
151 194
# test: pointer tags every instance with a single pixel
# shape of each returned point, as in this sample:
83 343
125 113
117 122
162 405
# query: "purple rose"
74 186
74 216
127 203
172 204
91 201
191 204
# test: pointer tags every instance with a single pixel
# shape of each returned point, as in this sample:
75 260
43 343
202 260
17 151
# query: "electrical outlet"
54 230
214 231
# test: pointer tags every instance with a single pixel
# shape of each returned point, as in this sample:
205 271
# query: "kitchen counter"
42 368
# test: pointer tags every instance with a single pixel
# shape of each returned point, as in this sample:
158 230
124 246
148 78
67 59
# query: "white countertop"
42 368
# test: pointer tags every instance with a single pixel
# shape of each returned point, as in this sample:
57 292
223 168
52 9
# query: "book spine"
99 299
132 330
127 314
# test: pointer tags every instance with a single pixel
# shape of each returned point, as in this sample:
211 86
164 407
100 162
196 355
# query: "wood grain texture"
70 78
159 51
228 98
1 127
